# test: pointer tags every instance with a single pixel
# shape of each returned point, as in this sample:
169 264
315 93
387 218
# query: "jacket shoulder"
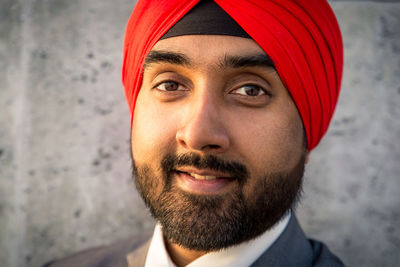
294 249
322 256
105 256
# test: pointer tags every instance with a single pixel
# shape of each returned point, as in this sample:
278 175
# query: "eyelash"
166 82
254 86
179 85
181 90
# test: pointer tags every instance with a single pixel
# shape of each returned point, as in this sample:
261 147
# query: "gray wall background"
65 180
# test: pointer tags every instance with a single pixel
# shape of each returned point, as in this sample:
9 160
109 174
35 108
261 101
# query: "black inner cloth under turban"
206 18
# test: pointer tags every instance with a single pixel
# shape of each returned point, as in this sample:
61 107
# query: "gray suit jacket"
292 248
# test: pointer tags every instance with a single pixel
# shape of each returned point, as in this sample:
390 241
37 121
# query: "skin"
200 105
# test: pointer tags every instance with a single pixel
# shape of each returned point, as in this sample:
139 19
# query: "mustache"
234 169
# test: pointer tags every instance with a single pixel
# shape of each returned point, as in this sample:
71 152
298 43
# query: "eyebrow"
157 56
256 60
228 61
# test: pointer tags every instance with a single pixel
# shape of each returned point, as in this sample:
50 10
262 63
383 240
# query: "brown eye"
168 86
250 90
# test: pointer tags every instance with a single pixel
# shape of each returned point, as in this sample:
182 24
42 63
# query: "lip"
211 182
204 172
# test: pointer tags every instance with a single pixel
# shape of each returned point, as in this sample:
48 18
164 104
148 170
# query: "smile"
202 177
203 182
203 174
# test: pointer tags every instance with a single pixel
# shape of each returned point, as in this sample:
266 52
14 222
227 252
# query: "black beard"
210 223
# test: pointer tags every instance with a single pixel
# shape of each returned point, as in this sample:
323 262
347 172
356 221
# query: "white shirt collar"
240 255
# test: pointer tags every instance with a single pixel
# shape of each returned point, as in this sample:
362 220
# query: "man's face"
217 141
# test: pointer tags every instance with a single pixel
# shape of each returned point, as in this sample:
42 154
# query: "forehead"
209 48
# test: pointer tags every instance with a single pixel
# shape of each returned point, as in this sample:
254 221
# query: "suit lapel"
290 249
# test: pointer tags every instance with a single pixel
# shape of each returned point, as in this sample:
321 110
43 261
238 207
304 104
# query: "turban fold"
302 37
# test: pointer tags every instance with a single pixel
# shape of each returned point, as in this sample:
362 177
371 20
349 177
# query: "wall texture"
65 180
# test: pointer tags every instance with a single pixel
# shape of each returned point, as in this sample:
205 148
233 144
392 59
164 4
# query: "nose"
203 128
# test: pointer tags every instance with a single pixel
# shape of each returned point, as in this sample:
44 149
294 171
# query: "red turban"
302 37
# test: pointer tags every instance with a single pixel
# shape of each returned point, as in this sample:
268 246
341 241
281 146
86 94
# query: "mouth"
203 177
203 181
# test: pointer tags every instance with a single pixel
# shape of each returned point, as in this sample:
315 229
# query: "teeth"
201 177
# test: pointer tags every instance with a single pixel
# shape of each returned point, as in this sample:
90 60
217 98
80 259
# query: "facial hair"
213 222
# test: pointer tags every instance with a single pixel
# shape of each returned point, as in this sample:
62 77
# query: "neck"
180 255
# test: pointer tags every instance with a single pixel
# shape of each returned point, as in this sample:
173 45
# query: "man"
227 99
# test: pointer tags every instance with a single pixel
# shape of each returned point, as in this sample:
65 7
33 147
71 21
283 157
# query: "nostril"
214 146
182 143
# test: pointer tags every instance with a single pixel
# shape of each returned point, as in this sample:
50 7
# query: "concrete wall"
64 132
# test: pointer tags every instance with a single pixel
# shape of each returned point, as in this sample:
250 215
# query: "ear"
307 157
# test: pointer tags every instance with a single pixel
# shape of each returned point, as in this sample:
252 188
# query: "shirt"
240 255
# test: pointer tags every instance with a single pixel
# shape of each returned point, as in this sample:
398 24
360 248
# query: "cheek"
288 136
152 132
271 143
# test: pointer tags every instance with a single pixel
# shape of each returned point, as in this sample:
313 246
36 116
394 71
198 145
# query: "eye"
250 90
169 86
